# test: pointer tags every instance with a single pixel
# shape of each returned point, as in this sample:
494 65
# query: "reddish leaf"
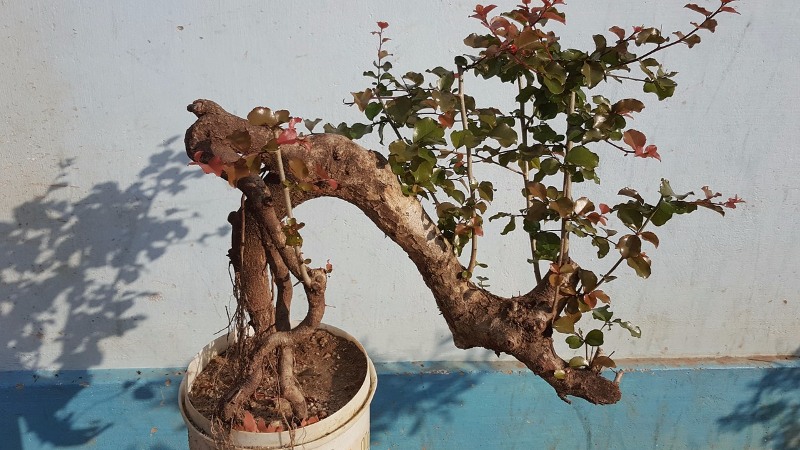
274 427
630 192
249 422
289 135
383 25
604 209
309 421
708 24
447 119
729 9
553 15
596 218
650 237
699 9
618 31
626 106
731 203
214 165
603 361
481 11
637 140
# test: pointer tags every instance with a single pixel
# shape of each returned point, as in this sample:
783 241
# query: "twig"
473 258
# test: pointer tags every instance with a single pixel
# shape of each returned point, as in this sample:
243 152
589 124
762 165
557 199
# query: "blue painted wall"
749 405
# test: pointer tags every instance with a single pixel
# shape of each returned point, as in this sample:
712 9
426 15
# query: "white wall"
113 250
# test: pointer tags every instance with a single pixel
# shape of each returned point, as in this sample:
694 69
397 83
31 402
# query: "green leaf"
550 166
463 138
588 279
629 245
548 244
640 264
634 330
602 245
574 341
504 134
666 191
372 110
630 215
511 226
310 124
414 77
583 157
428 131
594 338
555 86
662 87
566 324
662 214
486 190
602 313
578 362
593 73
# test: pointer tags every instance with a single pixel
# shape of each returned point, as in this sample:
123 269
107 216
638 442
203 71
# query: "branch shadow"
67 277
773 409
413 395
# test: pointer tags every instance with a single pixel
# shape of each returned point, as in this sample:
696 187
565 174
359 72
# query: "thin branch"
563 254
525 170
287 199
473 258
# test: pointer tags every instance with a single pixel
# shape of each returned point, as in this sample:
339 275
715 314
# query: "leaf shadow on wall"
773 409
68 270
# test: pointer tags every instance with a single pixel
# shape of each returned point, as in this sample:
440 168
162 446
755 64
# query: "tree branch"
520 326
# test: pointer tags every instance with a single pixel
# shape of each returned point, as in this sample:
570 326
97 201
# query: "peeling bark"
520 326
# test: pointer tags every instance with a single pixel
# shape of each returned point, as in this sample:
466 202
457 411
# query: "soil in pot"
329 369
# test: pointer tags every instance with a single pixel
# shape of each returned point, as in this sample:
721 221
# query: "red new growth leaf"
214 165
261 424
604 209
482 11
249 422
596 218
289 135
383 25
729 9
447 119
637 140
731 203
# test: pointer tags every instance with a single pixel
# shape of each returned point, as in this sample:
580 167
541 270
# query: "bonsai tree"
439 140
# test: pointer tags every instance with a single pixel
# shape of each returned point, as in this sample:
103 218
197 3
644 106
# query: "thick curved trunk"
520 326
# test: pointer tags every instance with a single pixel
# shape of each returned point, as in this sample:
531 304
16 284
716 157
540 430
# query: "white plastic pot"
346 429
